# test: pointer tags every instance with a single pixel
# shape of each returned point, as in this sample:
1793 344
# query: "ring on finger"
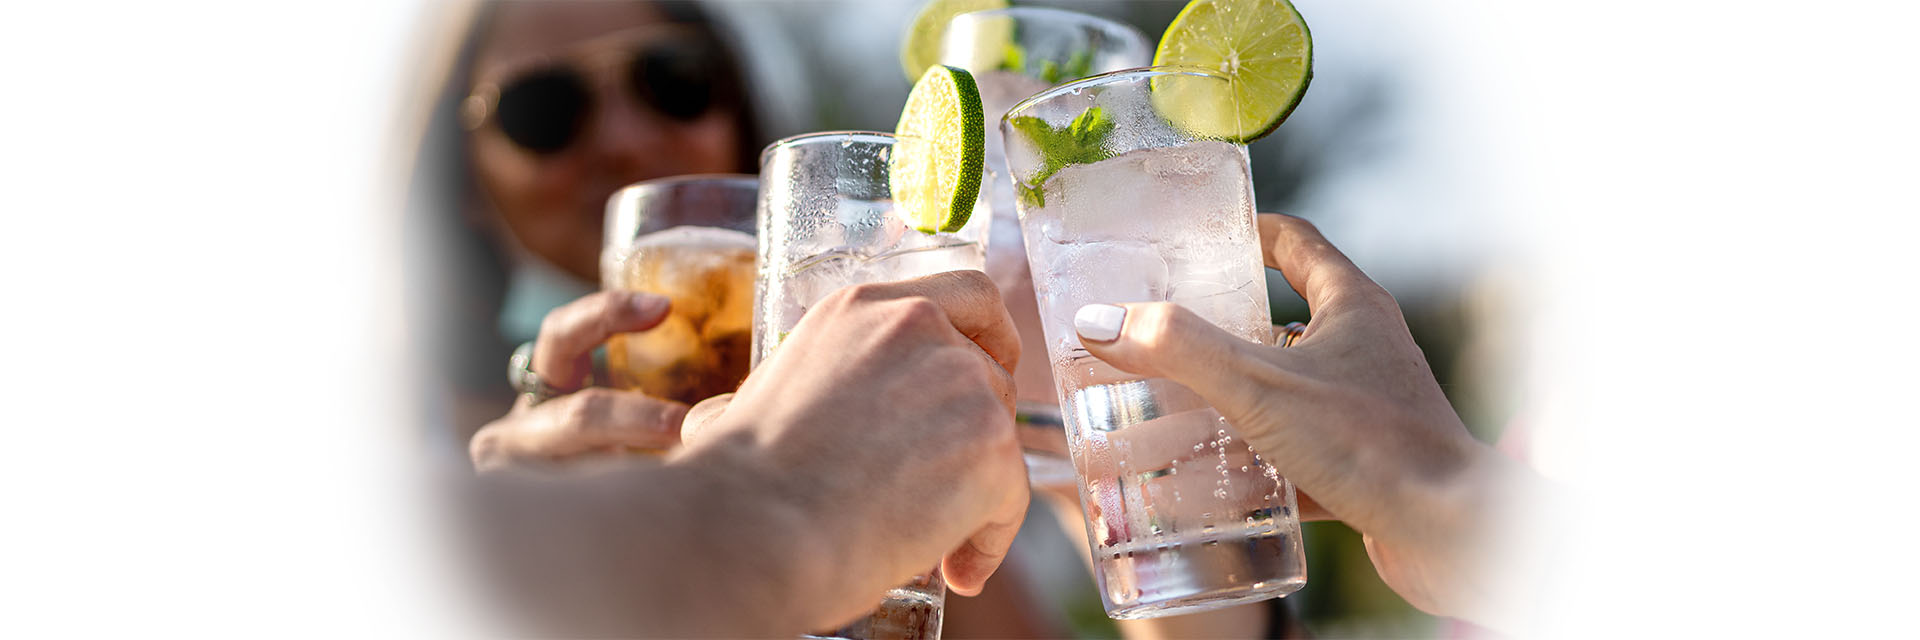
1290 334
527 383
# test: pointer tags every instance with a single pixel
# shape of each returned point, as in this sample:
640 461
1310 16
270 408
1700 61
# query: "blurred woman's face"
549 181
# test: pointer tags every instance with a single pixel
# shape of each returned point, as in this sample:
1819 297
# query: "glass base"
1190 578
907 613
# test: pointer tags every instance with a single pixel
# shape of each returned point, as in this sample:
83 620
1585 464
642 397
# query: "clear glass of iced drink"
826 221
1015 53
1119 202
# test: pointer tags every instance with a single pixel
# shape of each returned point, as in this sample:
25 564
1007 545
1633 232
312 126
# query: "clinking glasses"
678 73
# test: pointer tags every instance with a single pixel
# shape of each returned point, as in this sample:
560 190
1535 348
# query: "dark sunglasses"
544 110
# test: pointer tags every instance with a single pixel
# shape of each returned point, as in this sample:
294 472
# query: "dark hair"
456 270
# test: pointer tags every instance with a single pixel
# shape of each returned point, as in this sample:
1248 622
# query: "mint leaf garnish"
1082 141
1050 72
1079 66
1013 57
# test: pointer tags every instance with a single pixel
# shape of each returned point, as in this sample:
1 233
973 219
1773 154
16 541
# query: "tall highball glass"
1181 513
1012 54
827 220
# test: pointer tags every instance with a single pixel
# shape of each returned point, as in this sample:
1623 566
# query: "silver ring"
520 374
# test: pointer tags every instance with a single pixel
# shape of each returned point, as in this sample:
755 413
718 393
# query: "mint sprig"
1082 141
1077 67
1013 57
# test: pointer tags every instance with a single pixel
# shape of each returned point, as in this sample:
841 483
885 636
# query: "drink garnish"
1264 49
939 151
1013 57
920 48
1082 141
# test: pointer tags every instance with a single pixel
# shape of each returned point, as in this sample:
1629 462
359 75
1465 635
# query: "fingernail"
1099 322
649 305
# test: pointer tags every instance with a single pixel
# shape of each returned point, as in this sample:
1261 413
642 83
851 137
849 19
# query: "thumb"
1163 339
703 414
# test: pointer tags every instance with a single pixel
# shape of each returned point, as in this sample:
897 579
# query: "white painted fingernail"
1099 322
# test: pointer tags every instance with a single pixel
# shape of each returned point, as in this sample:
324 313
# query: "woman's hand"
586 421
1350 413
887 416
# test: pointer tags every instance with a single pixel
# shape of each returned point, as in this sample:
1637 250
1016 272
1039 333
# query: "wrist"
777 533
1445 524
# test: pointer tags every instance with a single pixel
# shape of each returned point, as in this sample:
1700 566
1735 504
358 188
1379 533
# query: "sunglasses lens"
677 80
544 111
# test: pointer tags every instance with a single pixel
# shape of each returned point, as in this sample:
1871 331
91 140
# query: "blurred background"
1595 216
1378 155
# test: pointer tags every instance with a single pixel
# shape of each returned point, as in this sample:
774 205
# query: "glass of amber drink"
690 238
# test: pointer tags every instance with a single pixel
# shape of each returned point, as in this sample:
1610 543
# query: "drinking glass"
1181 513
689 238
826 221
1012 54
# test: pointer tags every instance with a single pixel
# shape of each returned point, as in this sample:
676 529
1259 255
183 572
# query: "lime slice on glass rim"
939 151
920 48
1263 48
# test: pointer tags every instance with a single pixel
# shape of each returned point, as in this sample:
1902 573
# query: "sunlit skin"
553 204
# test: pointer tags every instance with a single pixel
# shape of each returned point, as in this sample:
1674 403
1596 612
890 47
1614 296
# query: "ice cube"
1229 308
1165 193
819 278
1104 272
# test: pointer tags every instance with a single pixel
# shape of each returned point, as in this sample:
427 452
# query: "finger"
1310 509
1317 271
599 418
562 355
999 378
967 568
972 303
1163 339
706 411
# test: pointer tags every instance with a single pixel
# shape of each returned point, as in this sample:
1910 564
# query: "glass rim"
1069 15
675 181
1111 77
870 137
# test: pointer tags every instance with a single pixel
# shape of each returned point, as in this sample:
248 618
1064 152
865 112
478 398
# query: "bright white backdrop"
206 438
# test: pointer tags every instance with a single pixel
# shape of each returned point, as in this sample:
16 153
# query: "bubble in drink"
703 347
1181 514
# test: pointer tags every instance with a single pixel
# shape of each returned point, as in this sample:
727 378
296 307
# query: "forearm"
592 552
1470 550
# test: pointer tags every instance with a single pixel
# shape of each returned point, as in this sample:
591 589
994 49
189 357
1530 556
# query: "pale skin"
771 499
1351 413
592 420
1354 417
